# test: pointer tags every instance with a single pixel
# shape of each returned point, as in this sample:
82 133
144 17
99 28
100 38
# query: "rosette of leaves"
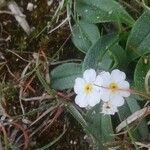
106 52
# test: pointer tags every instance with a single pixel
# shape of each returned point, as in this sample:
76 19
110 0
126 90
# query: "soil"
16 50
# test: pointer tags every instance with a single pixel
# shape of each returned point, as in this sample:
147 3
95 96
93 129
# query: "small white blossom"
108 108
30 6
88 94
114 87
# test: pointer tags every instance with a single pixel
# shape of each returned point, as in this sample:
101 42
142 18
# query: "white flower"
88 94
108 108
114 87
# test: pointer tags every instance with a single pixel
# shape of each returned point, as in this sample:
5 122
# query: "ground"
17 51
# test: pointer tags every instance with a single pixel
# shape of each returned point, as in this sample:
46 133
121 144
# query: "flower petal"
105 94
124 85
79 85
118 75
98 83
93 98
81 100
124 93
106 78
89 75
117 100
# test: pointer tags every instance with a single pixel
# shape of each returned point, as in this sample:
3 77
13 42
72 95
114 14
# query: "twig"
142 4
10 72
39 98
21 88
61 47
46 66
65 61
17 55
142 145
58 113
45 113
135 116
61 24
130 6
6 12
20 17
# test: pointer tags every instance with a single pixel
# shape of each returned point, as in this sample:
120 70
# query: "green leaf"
119 55
106 62
131 105
96 11
115 57
63 76
97 51
92 56
100 125
77 115
107 41
138 42
85 35
141 70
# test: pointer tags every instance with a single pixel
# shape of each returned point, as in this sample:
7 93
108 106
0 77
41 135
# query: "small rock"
49 2
30 6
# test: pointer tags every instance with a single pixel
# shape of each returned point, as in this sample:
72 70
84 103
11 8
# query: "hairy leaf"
138 42
96 11
85 35
63 76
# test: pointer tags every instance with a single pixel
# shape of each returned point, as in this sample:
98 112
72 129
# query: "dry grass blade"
58 113
38 98
21 87
143 145
61 24
135 116
20 17
45 113
25 134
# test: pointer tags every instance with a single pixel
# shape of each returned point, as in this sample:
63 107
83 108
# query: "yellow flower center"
88 88
113 87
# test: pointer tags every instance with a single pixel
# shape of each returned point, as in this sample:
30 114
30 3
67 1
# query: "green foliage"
92 57
139 39
94 123
63 76
85 35
97 51
107 35
99 124
97 11
107 51
119 56
141 70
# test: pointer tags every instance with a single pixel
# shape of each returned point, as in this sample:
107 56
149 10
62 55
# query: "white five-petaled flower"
114 87
88 93
108 108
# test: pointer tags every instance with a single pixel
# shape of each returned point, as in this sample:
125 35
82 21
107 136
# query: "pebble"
30 6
